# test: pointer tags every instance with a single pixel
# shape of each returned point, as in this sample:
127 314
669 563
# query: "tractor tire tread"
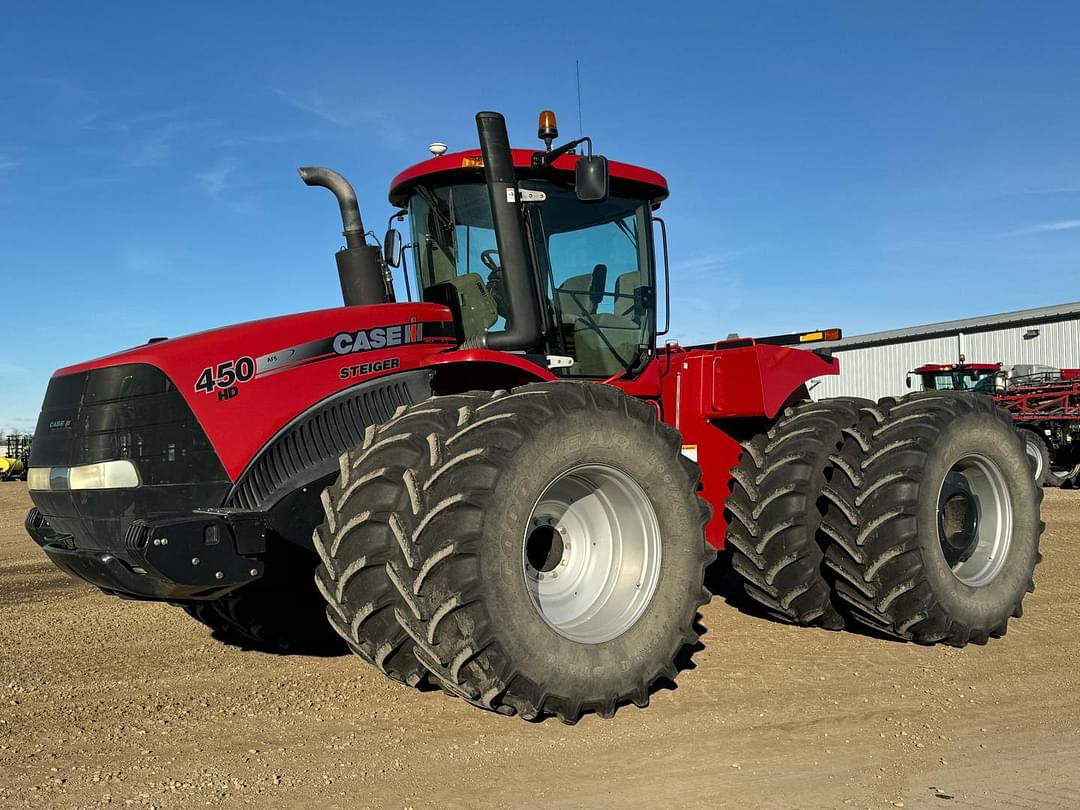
774 513
369 511
454 636
874 552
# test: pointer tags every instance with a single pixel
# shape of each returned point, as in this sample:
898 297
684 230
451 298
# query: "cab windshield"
594 262
959 381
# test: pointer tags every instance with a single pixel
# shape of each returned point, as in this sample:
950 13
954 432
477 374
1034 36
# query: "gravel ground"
105 702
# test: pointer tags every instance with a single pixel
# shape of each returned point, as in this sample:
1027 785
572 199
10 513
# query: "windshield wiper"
631 235
436 206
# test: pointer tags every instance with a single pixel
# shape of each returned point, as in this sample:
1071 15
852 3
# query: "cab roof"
958 367
467 166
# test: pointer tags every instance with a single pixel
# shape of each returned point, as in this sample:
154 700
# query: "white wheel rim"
591 553
975 520
1036 457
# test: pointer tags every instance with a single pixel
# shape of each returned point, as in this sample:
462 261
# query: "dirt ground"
108 702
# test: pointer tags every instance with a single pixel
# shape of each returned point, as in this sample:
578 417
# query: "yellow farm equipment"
13 463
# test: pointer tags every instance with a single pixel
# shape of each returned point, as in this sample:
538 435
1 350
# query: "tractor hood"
243 383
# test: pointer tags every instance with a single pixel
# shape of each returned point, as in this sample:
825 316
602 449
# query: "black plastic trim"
308 447
202 555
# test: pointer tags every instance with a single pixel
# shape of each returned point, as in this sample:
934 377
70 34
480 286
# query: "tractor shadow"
722 581
323 647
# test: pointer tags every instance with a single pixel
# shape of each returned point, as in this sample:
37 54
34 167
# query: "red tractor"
962 376
503 486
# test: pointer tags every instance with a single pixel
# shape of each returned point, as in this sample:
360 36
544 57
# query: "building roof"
984 323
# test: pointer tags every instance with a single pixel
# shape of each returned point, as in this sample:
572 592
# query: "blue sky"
866 165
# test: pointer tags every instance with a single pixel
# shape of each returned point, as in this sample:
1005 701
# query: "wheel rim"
1035 456
975 520
1066 475
591 553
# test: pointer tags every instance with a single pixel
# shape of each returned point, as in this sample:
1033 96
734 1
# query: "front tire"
934 519
369 512
558 558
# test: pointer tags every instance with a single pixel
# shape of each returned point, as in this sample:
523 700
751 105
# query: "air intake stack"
361 270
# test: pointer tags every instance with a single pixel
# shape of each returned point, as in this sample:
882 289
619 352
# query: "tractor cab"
980 377
589 263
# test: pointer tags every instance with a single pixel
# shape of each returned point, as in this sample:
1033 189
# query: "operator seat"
573 297
606 342
582 294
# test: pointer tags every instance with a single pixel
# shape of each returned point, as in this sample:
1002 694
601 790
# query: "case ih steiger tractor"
503 487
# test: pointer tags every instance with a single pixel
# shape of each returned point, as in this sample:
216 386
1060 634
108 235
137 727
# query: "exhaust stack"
523 330
361 271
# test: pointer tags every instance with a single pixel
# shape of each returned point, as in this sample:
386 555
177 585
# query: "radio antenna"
577 71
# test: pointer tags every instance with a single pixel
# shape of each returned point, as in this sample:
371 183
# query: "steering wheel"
496 282
489 258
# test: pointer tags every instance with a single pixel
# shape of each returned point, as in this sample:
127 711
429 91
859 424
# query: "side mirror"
591 178
392 247
907 381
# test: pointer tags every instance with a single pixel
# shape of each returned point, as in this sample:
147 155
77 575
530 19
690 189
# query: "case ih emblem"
380 337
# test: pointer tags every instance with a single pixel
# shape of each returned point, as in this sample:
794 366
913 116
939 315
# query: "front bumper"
202 555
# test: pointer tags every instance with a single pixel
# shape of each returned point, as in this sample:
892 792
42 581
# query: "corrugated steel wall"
879 371
1057 345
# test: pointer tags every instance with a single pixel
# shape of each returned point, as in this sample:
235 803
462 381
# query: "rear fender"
756 380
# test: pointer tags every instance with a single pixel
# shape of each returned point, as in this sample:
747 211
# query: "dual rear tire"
925 526
775 509
534 552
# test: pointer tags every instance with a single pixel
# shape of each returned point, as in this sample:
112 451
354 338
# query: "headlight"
120 474
38 478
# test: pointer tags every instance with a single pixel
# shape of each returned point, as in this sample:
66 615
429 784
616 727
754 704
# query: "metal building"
875 365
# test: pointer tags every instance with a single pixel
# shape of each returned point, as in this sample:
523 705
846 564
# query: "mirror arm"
544 159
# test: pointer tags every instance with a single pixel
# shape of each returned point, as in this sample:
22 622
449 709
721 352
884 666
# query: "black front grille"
308 447
136 536
129 411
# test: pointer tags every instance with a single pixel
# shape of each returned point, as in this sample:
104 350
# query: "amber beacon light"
547 130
